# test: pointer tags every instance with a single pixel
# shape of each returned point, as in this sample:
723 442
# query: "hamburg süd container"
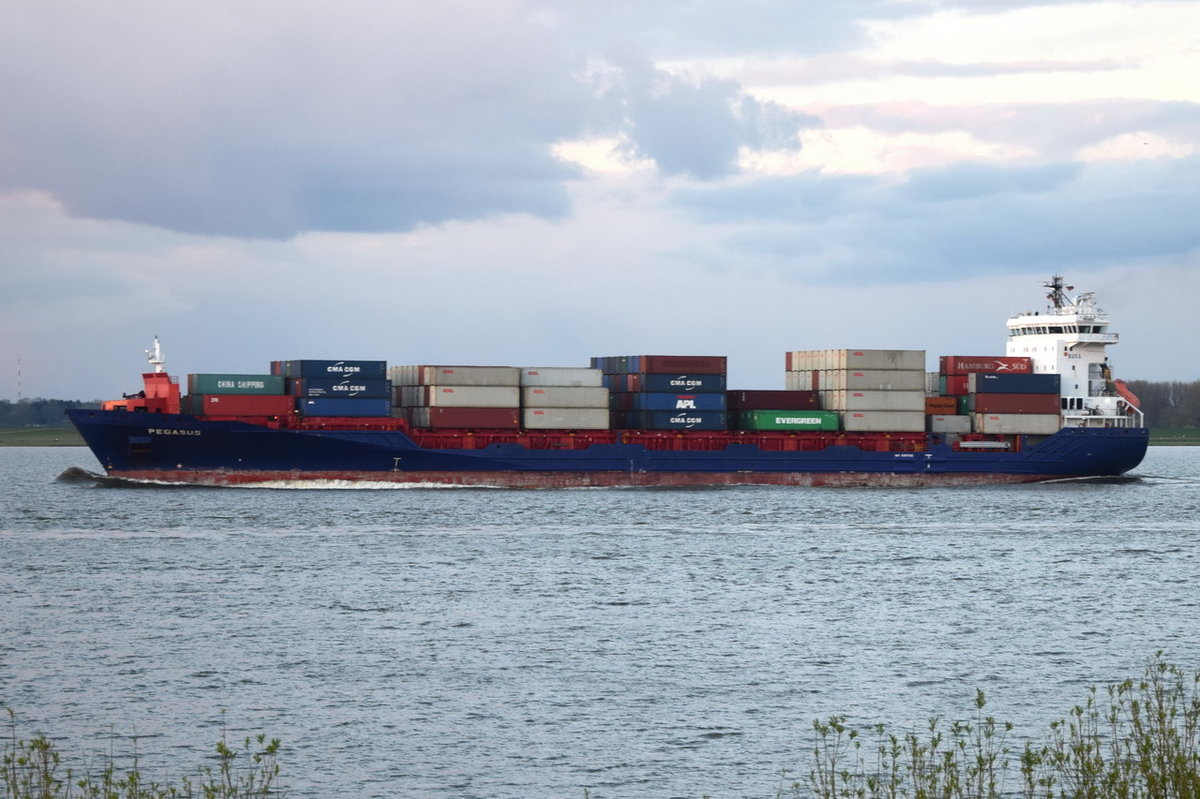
995 364
788 420
342 406
565 418
561 376
234 384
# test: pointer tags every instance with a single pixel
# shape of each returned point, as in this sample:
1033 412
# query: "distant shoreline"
68 437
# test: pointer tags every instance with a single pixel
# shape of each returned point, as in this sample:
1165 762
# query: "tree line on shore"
1166 404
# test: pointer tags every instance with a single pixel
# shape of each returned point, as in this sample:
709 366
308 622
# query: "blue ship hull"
179 448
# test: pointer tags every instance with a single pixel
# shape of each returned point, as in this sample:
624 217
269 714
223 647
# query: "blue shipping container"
359 370
655 401
680 420
338 406
1006 383
677 382
343 387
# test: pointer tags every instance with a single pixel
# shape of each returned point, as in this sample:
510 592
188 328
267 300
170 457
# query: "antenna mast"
1057 295
155 357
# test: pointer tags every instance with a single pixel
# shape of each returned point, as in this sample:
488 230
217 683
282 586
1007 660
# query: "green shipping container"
790 420
234 384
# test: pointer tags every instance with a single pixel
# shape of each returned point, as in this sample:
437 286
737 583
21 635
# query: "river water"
634 643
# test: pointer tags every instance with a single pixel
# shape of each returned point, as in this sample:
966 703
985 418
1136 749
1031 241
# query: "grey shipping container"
564 397
455 375
1018 423
460 396
874 401
565 418
561 376
884 421
871 380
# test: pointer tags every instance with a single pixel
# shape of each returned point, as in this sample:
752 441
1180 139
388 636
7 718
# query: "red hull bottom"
502 479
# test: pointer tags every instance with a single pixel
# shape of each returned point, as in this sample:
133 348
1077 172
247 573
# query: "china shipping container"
870 379
343 406
564 397
905 401
565 418
423 375
376 370
1018 423
788 420
459 396
234 384
1015 403
239 404
462 418
875 421
766 400
981 383
561 376
965 364
339 387
949 423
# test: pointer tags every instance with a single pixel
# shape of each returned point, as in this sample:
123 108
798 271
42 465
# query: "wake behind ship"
1049 408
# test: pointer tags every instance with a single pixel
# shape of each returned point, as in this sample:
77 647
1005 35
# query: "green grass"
1175 436
40 437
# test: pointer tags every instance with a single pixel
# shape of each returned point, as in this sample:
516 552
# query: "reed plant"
33 769
1139 739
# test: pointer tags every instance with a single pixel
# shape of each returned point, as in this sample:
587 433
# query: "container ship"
1048 409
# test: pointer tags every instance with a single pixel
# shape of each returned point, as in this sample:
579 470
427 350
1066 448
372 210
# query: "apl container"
338 406
981 383
565 418
788 420
234 384
564 397
655 401
343 387
463 418
561 376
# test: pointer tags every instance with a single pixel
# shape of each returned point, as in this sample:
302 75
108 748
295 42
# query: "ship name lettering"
166 431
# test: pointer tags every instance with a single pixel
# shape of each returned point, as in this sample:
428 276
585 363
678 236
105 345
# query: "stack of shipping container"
872 390
563 398
779 410
337 388
999 395
447 397
236 395
666 392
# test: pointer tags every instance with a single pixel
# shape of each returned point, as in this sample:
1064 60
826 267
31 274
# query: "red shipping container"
764 400
684 364
956 385
443 418
991 364
1016 403
246 405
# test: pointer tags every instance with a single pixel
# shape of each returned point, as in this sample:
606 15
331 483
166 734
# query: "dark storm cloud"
964 219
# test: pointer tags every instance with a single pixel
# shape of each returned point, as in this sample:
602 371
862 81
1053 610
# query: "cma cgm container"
692 383
965 364
788 420
462 418
239 404
565 418
672 420
981 383
883 421
338 406
339 387
561 376
234 384
376 370
455 375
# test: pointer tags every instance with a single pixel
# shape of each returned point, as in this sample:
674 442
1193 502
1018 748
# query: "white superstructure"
1070 338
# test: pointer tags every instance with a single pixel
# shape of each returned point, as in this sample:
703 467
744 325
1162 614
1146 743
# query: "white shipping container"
565 418
871 379
799 381
561 376
455 375
564 397
460 396
883 421
949 424
1018 423
874 401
